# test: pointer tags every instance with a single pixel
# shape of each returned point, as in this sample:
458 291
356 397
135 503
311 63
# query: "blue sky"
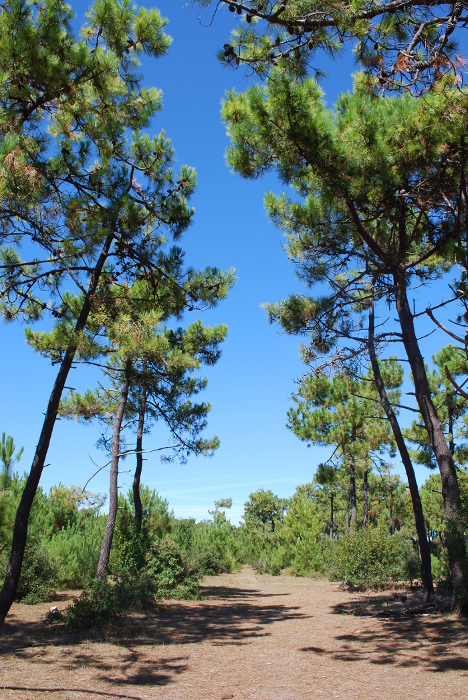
249 388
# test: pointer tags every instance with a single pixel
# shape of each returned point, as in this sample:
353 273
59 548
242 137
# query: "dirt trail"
250 638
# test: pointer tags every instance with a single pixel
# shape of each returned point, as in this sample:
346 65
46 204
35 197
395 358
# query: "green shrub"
371 558
38 576
440 566
129 551
182 532
214 548
253 545
130 547
302 533
212 560
276 561
309 558
271 560
167 573
101 603
410 562
76 551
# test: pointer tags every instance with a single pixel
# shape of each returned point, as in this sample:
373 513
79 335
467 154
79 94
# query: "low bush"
309 558
76 551
38 576
371 558
101 603
167 573
271 560
212 560
440 566
130 546
214 547
182 531
129 552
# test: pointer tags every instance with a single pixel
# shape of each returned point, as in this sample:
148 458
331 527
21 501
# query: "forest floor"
250 638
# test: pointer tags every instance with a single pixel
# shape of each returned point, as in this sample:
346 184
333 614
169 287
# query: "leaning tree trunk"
20 529
139 465
426 573
104 556
455 533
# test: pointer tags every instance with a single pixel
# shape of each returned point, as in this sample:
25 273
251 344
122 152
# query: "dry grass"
250 638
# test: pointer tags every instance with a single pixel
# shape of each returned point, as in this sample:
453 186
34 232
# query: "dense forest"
375 203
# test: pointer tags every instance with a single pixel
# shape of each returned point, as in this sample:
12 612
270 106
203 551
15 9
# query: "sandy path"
250 638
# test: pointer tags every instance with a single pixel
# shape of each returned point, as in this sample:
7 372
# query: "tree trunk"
352 487
426 573
450 491
104 556
139 464
450 428
331 514
20 529
365 488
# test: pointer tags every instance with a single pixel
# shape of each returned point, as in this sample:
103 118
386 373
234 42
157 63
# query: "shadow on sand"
395 636
225 616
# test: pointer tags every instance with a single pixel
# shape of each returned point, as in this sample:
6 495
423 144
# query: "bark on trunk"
104 556
139 465
426 573
450 428
332 495
365 488
352 487
20 529
450 491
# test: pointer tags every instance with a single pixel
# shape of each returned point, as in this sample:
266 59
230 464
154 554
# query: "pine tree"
378 182
451 408
424 549
146 359
95 197
70 177
165 393
264 508
400 44
9 458
327 482
343 412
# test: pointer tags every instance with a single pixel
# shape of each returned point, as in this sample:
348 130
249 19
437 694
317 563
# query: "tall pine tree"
89 195
378 184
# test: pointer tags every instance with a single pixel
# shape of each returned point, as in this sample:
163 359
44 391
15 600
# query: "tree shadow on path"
434 642
230 616
114 695
228 593
227 616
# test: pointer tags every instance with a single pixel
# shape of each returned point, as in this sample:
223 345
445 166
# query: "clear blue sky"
249 388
